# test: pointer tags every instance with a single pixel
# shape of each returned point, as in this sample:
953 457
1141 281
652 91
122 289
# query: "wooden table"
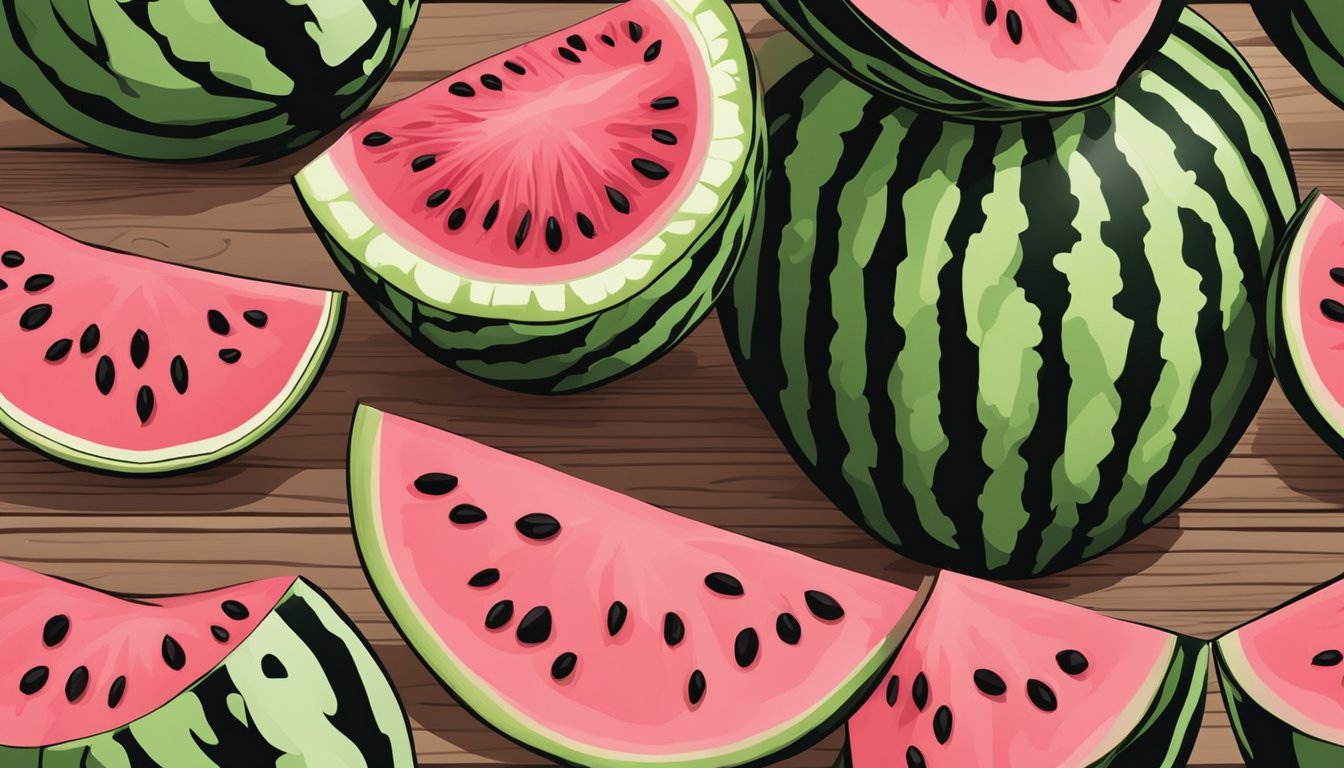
682 434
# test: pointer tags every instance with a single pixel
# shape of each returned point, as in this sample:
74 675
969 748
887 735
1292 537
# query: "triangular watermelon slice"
596 629
124 364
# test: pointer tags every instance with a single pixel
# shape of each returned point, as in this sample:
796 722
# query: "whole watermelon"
1007 348
198 79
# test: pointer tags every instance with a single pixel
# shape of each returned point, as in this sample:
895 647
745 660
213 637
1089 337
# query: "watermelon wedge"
262 674
1281 680
991 677
598 630
124 364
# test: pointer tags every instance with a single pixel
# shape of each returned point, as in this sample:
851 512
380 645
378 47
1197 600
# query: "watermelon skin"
135 79
989 412
1310 34
1266 741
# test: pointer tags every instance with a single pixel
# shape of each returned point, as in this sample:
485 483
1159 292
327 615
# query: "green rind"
1265 740
875 59
1310 34
474 693
335 708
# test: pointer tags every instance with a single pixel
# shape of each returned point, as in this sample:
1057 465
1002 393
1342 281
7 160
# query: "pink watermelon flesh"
548 162
970 625
156 648
1032 50
555 545
1319 308
76 319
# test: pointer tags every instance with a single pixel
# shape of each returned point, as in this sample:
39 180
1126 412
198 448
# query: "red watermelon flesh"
598 629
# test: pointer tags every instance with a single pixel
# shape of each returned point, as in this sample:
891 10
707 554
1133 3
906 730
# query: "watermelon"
555 260
1310 34
548 607
262 674
1280 677
1007 348
985 59
123 364
198 79
990 676
1306 316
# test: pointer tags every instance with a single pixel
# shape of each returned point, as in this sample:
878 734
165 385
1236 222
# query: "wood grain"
683 434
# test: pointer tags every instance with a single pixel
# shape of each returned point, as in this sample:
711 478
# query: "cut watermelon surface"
596 629
126 364
990 677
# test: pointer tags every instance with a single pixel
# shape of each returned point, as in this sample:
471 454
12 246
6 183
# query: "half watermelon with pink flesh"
564 212
1283 682
598 630
124 364
997 678
985 59
261 674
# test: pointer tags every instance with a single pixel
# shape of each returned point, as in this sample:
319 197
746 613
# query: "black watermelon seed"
115 692
652 51
438 197
1337 274
173 655
606 39
674 631
568 55
1014 27
88 341
217 322
786 626
745 647
1333 310
989 682
221 634
422 162
35 317
665 102
457 218
492 82
535 626
467 514
554 237
55 630
1065 10
273 668
893 690
178 371
1071 662
3 285
76 684
484 578
649 169
1041 695
490 216
664 136
104 374
823 606
234 610
914 758
1327 659
723 584
942 724
139 348
33 680
515 67
991 12
538 525
636 32
376 139
585 225
11 259
37 283
616 618
461 89
563 666
695 687
919 691
230 355
58 350
576 42
256 318
435 484
499 614
520 236
618 200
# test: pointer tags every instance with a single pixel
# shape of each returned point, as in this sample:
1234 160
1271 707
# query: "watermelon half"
262 674
1283 683
124 364
990 677
598 630
560 214
985 59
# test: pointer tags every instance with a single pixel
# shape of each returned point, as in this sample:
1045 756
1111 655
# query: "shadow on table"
1300 459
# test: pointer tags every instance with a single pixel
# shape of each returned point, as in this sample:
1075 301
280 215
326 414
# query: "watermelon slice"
1281 679
560 214
262 674
985 59
596 629
120 363
993 677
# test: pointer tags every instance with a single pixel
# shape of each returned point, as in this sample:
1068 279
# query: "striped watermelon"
198 79
1006 349
1310 34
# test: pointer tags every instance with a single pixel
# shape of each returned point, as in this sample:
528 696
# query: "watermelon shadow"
1301 460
